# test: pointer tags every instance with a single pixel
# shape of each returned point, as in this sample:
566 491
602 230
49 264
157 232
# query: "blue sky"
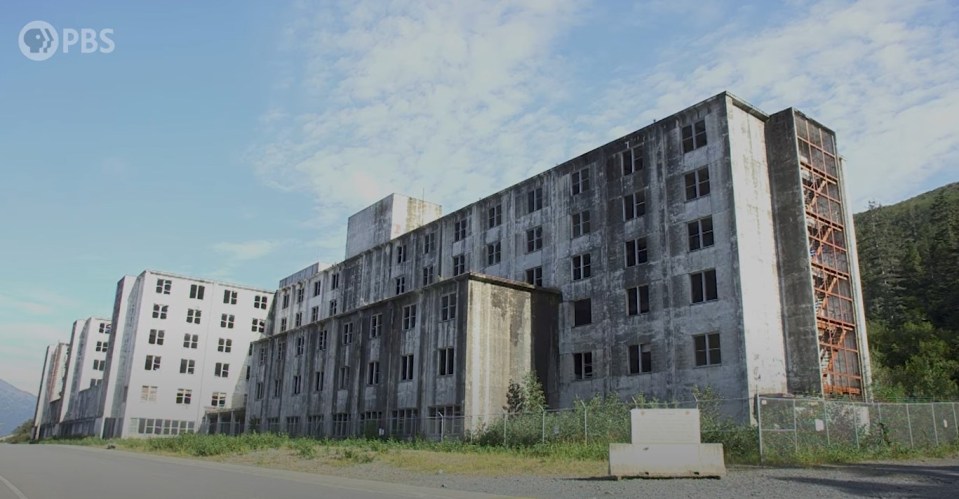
232 140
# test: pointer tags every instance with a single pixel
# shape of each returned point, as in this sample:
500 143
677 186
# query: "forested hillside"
909 260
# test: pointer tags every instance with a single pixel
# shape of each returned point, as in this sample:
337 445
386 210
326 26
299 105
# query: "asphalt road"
55 471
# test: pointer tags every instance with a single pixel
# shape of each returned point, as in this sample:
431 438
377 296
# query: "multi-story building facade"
181 348
89 343
46 419
711 248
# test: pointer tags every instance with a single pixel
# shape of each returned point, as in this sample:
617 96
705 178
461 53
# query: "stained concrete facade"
385 220
447 349
46 419
89 344
675 252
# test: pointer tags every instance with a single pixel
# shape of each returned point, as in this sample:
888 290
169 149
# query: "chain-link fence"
596 422
790 427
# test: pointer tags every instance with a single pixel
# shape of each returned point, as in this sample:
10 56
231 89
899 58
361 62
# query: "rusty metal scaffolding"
829 257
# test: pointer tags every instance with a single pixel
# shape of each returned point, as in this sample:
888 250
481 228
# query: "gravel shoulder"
911 478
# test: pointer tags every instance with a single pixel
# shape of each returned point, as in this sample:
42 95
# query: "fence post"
935 431
505 424
825 421
955 423
585 424
855 431
795 430
912 443
544 425
759 418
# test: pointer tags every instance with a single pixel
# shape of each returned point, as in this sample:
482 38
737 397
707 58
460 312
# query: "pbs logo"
39 40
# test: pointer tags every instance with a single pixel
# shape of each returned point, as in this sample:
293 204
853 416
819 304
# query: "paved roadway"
62 471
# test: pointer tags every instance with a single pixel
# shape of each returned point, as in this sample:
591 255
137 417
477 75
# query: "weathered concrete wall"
764 360
385 220
491 334
862 338
749 190
796 290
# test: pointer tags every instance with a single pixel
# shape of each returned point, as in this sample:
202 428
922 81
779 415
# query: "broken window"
582 312
583 365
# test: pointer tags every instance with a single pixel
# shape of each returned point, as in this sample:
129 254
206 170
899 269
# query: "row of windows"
699 232
158 336
197 292
194 316
184 396
445 363
187 366
639 358
317 288
702 285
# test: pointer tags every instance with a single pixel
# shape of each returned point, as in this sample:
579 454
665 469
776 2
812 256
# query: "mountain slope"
16 406
909 261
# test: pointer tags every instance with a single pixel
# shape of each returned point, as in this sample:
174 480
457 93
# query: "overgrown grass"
579 436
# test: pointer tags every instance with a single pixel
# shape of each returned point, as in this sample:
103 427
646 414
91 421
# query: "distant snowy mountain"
16 406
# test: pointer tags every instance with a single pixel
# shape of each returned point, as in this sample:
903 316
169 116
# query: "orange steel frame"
835 308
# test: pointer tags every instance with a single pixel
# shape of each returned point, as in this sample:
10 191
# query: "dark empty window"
636 252
583 365
697 184
640 358
637 300
703 286
534 200
634 205
700 233
694 136
582 312
630 166
494 216
581 223
493 253
534 239
582 267
459 264
534 276
707 349
460 229
580 181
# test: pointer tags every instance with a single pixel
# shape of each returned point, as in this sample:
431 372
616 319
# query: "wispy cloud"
235 254
456 100
246 250
882 73
448 98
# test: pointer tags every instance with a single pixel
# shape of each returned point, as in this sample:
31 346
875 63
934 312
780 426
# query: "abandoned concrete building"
181 347
711 248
